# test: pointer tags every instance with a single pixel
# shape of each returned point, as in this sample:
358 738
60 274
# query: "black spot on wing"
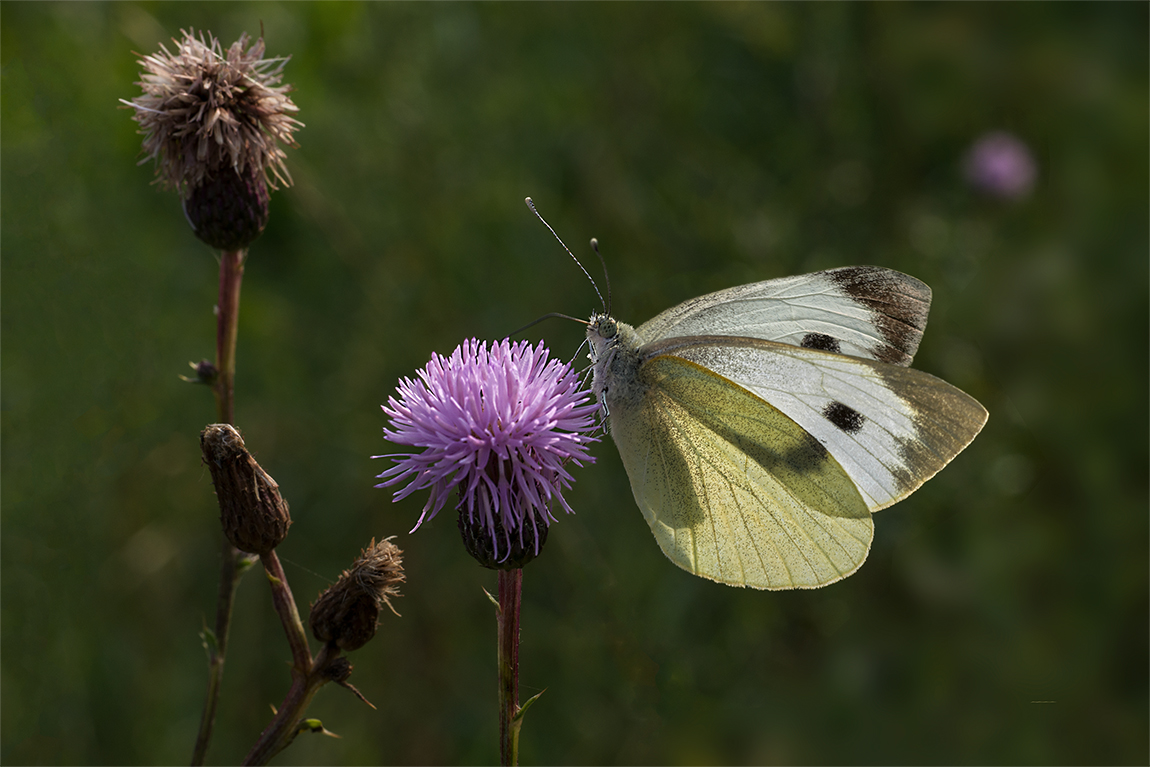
898 303
844 417
822 342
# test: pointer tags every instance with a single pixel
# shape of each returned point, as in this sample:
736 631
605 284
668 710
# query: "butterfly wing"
890 428
861 311
734 489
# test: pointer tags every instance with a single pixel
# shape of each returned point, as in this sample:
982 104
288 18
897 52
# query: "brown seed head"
253 514
346 613
206 110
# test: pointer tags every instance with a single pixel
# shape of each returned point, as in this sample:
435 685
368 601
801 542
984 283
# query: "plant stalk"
227 324
289 614
227 327
285 726
233 564
510 596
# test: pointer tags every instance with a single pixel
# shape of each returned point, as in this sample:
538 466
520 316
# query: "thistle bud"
253 514
206 373
346 614
338 670
230 209
494 548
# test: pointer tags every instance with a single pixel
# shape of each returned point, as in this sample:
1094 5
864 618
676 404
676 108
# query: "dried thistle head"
346 614
254 515
213 121
205 109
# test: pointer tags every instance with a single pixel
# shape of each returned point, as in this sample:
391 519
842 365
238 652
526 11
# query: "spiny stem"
510 596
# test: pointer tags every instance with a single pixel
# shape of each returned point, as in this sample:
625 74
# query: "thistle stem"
285 726
233 564
510 596
227 316
227 327
289 614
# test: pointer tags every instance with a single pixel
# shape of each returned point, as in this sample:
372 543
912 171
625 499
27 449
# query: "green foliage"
705 145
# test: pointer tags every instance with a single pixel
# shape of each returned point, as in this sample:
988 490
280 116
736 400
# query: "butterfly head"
602 335
614 356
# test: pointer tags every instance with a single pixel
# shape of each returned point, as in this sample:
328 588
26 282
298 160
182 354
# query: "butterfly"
760 426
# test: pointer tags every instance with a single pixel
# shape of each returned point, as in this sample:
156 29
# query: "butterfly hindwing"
733 489
891 428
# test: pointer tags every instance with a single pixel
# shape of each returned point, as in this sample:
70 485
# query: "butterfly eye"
607 328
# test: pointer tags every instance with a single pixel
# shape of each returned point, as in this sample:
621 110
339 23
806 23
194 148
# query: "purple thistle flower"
1000 165
498 425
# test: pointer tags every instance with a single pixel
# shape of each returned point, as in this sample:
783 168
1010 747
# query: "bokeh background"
1003 614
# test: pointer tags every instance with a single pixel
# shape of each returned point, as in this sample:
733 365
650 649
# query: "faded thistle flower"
347 613
253 514
498 426
213 121
1000 165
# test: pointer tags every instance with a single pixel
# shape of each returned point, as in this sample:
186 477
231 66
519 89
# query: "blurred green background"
1003 614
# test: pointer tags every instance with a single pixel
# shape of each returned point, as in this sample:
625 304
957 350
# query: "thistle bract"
498 426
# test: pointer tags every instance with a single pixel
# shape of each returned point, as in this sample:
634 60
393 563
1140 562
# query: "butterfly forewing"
860 311
733 489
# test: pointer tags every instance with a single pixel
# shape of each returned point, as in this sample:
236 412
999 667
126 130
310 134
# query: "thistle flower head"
205 109
1000 165
498 425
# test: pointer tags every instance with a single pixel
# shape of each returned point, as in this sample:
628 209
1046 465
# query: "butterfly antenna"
531 205
606 277
550 316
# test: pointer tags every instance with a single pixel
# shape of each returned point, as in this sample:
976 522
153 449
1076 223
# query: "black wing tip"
880 277
899 303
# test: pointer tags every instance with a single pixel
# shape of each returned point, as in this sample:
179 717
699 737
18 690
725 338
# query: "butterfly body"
761 425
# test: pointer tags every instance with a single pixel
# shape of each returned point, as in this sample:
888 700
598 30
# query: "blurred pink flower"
1000 165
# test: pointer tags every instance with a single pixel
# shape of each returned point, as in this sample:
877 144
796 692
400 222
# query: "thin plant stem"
234 562
510 596
286 725
227 323
227 326
289 614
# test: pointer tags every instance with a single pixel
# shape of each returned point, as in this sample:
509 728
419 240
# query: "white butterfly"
761 425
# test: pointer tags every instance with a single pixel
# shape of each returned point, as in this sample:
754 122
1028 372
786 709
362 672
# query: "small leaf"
523 709
314 725
211 644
